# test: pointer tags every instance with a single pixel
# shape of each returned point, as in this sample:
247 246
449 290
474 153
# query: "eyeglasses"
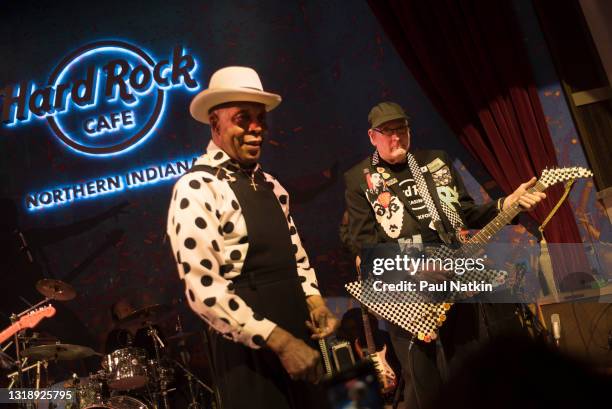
400 130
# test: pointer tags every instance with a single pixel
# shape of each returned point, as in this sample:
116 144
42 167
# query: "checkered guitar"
416 312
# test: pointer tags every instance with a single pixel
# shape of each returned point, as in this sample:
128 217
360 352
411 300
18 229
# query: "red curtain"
469 58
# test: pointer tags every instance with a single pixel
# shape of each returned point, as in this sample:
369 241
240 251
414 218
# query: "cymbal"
55 289
181 335
59 352
146 316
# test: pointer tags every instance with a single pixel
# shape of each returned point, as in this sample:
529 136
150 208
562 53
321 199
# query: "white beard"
399 155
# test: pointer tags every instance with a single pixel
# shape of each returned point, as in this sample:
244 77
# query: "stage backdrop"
100 129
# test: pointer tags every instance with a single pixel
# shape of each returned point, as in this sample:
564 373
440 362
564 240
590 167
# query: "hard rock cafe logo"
102 99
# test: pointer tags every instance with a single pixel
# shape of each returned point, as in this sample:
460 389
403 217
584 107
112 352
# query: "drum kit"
128 378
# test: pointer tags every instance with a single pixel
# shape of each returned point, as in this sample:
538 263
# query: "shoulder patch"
435 164
442 176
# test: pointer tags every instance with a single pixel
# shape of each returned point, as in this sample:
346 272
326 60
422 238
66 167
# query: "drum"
91 391
57 403
87 391
121 402
126 369
160 372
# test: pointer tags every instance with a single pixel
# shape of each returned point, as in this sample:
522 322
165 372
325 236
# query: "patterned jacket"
209 240
376 218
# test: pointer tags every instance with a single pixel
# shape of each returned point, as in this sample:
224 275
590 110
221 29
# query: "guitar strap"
450 213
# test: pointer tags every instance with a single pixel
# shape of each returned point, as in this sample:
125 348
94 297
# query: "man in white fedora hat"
240 256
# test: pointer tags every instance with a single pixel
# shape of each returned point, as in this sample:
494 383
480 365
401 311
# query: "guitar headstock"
557 175
31 319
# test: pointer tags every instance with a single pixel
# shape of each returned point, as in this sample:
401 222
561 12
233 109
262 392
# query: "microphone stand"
14 319
24 244
190 378
157 342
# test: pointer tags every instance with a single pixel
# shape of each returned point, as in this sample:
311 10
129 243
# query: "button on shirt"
209 240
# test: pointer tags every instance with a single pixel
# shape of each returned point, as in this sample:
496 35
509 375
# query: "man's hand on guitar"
299 360
527 201
322 322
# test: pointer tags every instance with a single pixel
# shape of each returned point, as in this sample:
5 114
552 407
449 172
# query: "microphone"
556 328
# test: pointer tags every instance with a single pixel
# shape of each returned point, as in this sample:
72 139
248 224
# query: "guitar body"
386 375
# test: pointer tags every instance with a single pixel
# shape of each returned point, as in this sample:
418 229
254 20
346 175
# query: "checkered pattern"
449 212
407 310
375 158
452 215
414 311
552 176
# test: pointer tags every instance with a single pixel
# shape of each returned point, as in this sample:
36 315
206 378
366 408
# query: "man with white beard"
397 196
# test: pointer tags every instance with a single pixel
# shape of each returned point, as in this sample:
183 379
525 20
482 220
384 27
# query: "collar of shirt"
217 158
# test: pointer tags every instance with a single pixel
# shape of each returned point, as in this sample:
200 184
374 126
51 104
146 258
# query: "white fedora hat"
232 84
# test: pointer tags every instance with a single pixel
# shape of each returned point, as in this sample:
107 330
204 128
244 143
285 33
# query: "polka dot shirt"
209 239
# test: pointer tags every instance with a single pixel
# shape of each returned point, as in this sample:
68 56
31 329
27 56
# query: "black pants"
249 378
425 366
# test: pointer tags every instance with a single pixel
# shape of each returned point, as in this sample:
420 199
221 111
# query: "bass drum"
57 403
121 402
126 368
86 392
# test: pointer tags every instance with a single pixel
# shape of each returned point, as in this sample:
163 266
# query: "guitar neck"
9 332
29 320
502 219
368 331
371 346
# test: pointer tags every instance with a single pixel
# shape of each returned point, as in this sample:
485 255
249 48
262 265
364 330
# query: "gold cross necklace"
251 176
